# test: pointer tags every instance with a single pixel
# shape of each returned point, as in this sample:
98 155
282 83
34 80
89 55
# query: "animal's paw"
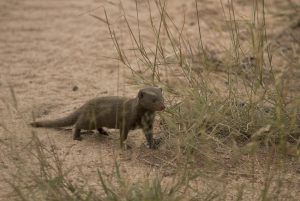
79 138
155 143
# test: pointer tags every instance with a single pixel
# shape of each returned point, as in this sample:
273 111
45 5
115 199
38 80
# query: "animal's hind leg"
76 134
80 124
123 138
102 131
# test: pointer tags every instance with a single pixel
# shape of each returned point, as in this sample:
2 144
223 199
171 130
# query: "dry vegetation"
230 71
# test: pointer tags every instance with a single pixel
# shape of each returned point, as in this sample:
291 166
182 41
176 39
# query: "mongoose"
115 112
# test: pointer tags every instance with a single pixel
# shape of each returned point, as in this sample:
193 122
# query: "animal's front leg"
147 126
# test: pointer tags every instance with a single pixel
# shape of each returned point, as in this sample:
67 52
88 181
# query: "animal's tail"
61 122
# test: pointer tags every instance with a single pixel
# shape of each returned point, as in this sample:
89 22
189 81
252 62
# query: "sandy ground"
49 47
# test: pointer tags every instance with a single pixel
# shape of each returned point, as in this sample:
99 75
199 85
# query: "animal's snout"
162 107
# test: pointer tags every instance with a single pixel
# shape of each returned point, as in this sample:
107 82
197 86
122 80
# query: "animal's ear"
141 94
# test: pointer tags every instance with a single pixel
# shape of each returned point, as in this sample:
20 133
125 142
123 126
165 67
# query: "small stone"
192 23
75 88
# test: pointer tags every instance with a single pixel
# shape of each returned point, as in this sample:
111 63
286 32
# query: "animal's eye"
154 100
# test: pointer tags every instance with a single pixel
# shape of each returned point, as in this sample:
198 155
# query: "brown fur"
114 112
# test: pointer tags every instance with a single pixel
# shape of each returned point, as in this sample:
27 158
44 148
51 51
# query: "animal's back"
104 104
105 112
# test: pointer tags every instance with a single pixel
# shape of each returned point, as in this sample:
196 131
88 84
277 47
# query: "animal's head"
151 98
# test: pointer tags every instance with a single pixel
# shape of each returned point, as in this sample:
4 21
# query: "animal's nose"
162 107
